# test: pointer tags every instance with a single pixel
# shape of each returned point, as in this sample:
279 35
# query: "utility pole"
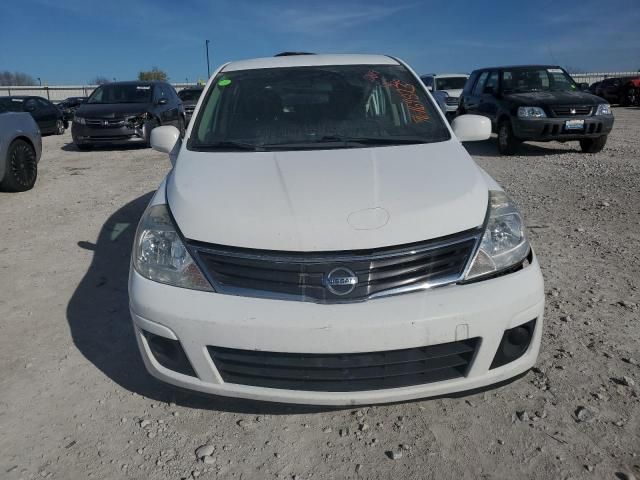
206 43
39 81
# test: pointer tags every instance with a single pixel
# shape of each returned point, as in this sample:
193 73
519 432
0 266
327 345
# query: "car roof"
309 61
136 82
444 75
23 97
512 67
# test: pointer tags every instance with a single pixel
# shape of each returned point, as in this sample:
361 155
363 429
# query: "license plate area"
574 125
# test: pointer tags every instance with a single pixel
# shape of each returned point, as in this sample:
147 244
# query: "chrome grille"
453 101
302 276
105 122
571 110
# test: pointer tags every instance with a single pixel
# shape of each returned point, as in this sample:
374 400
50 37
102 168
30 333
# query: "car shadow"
101 329
489 148
100 325
71 147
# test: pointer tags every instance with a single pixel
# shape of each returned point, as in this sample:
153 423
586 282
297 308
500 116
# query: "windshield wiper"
349 142
228 145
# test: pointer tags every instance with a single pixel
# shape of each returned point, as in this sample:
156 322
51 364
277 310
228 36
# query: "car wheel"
22 167
507 141
59 127
593 145
84 147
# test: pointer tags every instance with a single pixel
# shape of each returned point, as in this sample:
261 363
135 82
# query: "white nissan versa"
324 238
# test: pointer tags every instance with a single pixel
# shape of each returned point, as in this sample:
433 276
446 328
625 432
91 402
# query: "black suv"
126 112
190 97
538 103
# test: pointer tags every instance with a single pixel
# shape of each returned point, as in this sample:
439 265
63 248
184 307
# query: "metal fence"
58 93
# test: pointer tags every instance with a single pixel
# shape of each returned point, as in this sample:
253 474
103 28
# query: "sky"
73 41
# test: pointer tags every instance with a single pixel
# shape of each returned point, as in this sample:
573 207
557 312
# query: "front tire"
507 141
21 169
59 127
593 145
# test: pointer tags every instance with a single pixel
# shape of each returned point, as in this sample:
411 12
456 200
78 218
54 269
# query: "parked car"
69 105
20 149
539 103
300 247
49 118
190 97
121 112
631 93
614 90
593 88
451 84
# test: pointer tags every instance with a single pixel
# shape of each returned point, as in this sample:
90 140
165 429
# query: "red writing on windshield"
372 75
407 91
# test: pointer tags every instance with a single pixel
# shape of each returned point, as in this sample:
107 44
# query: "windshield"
189 95
316 107
522 80
129 93
450 83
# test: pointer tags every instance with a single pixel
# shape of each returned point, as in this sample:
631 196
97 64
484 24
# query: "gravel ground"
76 402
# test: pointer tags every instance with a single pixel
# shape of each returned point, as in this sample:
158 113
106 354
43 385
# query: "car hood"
535 99
110 110
324 200
454 92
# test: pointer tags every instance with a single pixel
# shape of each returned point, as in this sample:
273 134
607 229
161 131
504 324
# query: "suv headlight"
160 255
504 243
531 112
603 109
79 120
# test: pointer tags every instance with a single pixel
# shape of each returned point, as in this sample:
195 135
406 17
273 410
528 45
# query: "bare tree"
16 78
154 74
100 80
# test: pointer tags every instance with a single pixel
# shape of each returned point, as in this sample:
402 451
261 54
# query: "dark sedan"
123 112
69 105
48 117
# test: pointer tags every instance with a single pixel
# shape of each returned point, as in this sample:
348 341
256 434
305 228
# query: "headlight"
504 243
603 109
160 255
79 120
138 120
531 112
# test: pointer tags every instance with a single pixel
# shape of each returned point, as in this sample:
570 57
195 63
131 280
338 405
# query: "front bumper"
85 134
546 129
448 314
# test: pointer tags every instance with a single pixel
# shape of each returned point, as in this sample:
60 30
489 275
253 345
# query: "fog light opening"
169 353
514 344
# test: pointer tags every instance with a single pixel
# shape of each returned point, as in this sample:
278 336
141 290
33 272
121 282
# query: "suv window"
189 94
492 82
478 88
310 107
41 103
450 83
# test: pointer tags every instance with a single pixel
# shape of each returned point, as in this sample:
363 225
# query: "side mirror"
163 101
164 139
471 128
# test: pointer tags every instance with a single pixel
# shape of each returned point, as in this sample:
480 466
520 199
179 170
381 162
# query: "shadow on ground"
489 148
100 325
71 147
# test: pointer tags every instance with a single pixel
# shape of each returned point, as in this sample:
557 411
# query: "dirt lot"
76 402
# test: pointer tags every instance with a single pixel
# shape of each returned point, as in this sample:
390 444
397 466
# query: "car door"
488 103
49 113
472 100
39 114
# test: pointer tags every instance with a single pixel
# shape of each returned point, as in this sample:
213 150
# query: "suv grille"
348 372
303 276
568 110
453 101
106 122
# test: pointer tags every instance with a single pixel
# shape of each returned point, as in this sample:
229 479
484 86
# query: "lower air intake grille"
348 372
